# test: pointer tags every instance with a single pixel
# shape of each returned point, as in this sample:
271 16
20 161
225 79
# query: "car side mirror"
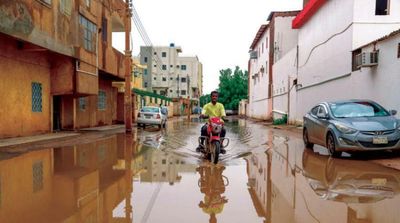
323 116
393 112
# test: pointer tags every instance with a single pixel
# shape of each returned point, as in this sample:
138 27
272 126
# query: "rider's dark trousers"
204 133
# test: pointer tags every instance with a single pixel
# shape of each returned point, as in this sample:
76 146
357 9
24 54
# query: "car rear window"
148 109
357 109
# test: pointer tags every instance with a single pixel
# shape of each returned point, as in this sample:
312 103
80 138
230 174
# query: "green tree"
232 87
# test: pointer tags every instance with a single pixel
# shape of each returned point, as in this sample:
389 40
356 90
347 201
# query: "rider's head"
214 97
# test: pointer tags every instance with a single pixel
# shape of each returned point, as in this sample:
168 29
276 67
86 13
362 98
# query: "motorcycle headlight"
345 129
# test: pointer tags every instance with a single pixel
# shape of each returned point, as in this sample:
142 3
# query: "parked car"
351 125
231 112
151 115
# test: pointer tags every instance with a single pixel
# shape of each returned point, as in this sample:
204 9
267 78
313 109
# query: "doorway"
56 113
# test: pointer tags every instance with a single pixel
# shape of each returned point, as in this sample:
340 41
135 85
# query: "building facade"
169 74
272 43
325 67
58 65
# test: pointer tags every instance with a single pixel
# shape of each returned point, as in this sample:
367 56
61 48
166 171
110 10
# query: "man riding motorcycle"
212 109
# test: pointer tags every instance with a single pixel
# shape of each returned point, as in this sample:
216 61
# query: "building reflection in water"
291 184
70 184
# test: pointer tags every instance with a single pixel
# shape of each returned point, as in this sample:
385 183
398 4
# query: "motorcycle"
213 142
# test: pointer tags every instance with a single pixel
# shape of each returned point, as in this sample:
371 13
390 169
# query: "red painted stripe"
309 10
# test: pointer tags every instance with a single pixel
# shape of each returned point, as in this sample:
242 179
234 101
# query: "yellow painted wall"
17 72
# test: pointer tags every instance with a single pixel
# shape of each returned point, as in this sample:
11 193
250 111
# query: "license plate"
380 140
379 181
147 117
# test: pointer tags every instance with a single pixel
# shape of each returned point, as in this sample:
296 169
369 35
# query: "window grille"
101 100
36 97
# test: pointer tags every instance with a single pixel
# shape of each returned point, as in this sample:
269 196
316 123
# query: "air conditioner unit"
253 54
367 59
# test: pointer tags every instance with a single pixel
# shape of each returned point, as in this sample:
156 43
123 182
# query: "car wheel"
306 140
331 145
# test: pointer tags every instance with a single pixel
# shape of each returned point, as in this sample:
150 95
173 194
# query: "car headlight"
344 129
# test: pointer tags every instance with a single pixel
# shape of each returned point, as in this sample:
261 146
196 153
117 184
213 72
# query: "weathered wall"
18 69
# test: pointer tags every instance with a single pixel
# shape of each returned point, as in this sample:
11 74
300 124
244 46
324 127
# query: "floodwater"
156 176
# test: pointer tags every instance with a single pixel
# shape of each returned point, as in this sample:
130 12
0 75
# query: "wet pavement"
156 176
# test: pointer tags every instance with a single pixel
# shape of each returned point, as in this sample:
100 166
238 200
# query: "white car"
151 115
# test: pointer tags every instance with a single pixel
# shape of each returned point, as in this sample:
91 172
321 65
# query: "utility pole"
128 67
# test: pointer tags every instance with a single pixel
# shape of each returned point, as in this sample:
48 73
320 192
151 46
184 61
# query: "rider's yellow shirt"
216 110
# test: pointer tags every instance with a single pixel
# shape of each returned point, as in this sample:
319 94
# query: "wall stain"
15 18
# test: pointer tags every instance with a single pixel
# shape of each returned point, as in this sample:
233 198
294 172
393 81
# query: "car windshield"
149 109
357 109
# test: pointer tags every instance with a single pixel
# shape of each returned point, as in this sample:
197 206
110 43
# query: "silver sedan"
351 125
151 115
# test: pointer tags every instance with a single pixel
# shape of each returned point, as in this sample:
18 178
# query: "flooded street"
157 176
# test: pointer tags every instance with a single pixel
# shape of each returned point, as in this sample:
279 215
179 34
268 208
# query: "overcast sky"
219 32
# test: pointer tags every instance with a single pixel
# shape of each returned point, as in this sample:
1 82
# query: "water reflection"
74 184
290 184
212 184
349 181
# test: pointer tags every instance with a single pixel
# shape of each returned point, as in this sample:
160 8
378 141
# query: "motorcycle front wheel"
215 150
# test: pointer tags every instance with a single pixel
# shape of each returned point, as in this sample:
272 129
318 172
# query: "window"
398 51
155 65
355 61
66 7
89 33
145 71
382 7
46 1
177 66
82 103
145 59
171 78
37 176
183 67
155 91
163 174
36 97
266 43
155 53
164 67
101 100
164 54
170 91
171 66
183 79
145 84
262 48
164 79
183 92
104 29
314 110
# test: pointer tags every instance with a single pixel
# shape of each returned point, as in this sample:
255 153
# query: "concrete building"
58 65
260 106
171 75
325 68
271 44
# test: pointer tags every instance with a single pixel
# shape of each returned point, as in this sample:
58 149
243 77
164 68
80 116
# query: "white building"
378 79
329 31
260 105
272 43
284 62
171 75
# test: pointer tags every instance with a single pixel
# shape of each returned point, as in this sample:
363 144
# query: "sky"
219 32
